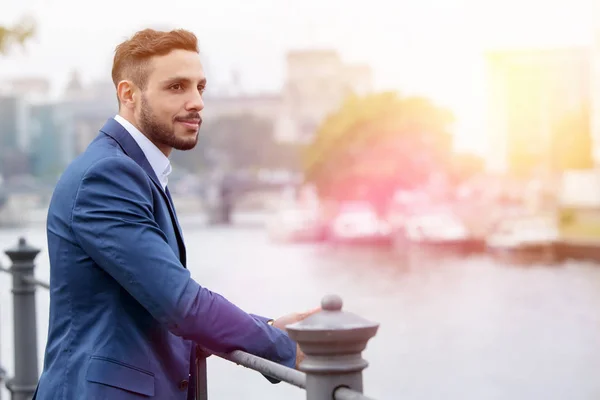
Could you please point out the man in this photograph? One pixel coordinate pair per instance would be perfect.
(125, 314)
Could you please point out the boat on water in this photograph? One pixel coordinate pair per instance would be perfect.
(14, 210)
(295, 224)
(439, 231)
(12, 214)
(528, 239)
(358, 223)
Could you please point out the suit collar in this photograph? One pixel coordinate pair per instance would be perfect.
(116, 131)
(158, 161)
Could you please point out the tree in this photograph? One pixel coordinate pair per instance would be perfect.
(16, 35)
(466, 166)
(376, 144)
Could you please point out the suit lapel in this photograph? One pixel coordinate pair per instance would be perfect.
(182, 250)
(115, 130)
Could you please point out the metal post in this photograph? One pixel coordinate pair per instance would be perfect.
(201, 374)
(333, 341)
(2, 376)
(22, 385)
(2, 370)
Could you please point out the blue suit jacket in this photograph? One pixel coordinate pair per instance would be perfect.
(124, 311)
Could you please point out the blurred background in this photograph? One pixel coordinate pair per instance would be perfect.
(436, 163)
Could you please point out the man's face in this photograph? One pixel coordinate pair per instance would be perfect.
(169, 112)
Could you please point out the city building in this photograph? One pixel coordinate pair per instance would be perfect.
(32, 89)
(267, 105)
(13, 123)
(595, 86)
(52, 146)
(87, 107)
(13, 135)
(16, 94)
(316, 84)
(530, 93)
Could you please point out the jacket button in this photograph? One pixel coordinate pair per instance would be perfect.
(183, 385)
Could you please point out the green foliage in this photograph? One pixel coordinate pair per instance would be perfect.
(16, 35)
(377, 142)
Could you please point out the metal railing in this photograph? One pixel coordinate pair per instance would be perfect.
(332, 340)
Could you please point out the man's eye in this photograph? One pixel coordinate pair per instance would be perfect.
(177, 86)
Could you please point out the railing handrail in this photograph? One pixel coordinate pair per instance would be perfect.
(29, 279)
(283, 373)
(266, 367)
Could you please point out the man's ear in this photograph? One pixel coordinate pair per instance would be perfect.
(127, 93)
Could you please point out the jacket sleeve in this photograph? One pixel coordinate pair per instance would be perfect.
(113, 221)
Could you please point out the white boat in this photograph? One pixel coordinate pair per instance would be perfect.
(527, 237)
(14, 212)
(439, 230)
(359, 222)
(295, 224)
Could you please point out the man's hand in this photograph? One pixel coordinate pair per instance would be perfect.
(289, 319)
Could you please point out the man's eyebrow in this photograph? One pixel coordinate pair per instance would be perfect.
(183, 79)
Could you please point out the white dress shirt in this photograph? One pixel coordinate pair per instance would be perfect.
(158, 161)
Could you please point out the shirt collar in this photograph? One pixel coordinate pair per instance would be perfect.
(158, 161)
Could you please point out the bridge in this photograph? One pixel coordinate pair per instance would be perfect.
(24, 187)
(223, 192)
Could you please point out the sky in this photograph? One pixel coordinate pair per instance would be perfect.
(427, 47)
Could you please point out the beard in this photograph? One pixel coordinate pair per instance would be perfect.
(161, 133)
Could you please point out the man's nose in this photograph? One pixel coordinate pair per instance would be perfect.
(196, 103)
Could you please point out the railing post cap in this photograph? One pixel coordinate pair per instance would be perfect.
(332, 302)
(22, 251)
(332, 326)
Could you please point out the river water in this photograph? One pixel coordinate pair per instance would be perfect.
(451, 327)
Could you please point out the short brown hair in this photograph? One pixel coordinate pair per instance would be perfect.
(133, 55)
